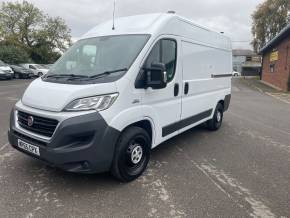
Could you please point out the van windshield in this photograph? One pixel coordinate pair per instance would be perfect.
(89, 58)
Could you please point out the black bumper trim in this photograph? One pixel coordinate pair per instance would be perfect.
(227, 102)
(83, 144)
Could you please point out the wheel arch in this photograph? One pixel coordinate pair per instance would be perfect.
(146, 124)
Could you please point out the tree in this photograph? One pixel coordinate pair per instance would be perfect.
(56, 33)
(26, 25)
(13, 54)
(269, 19)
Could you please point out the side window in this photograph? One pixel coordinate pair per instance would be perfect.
(154, 56)
(32, 67)
(168, 48)
(164, 51)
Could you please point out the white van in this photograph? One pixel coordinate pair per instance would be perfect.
(37, 69)
(118, 93)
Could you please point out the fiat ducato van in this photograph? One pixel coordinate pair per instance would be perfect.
(119, 92)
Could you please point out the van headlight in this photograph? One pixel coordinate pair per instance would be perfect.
(99, 103)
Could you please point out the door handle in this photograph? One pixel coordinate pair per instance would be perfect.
(186, 88)
(176, 89)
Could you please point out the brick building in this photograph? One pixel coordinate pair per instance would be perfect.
(276, 61)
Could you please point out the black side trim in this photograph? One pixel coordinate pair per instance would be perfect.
(167, 130)
(227, 102)
(221, 75)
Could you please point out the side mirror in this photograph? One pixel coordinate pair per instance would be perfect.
(156, 76)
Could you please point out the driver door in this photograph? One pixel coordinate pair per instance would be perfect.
(164, 104)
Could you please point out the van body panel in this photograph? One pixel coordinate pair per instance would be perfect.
(200, 62)
(55, 96)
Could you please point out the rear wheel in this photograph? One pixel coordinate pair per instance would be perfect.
(40, 74)
(216, 122)
(132, 154)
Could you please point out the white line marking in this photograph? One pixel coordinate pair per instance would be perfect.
(276, 96)
(260, 123)
(239, 192)
(258, 207)
(268, 140)
(157, 192)
(255, 87)
(4, 146)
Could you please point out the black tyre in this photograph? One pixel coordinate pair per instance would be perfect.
(16, 76)
(132, 154)
(40, 74)
(216, 122)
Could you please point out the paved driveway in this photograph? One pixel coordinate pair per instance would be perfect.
(242, 170)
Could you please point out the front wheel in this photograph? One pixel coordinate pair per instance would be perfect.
(40, 74)
(132, 154)
(216, 122)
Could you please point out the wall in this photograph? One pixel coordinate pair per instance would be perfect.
(279, 77)
(238, 61)
(247, 68)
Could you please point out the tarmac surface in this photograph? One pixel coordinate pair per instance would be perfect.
(242, 170)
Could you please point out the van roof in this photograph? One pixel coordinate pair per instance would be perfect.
(158, 24)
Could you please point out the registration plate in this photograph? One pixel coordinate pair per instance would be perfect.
(28, 147)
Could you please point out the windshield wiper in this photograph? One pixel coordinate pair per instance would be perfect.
(107, 73)
(66, 76)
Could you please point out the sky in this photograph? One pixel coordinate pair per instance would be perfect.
(233, 17)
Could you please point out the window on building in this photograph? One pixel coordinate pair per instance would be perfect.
(272, 68)
(256, 59)
(248, 58)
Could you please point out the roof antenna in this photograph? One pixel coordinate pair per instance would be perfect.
(113, 28)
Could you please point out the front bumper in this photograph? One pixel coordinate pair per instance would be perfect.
(6, 76)
(82, 144)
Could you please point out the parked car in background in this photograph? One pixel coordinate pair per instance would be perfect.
(37, 69)
(236, 74)
(6, 71)
(5, 75)
(46, 66)
(21, 72)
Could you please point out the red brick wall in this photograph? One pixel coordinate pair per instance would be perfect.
(279, 77)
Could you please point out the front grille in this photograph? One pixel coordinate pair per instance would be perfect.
(42, 126)
(29, 139)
